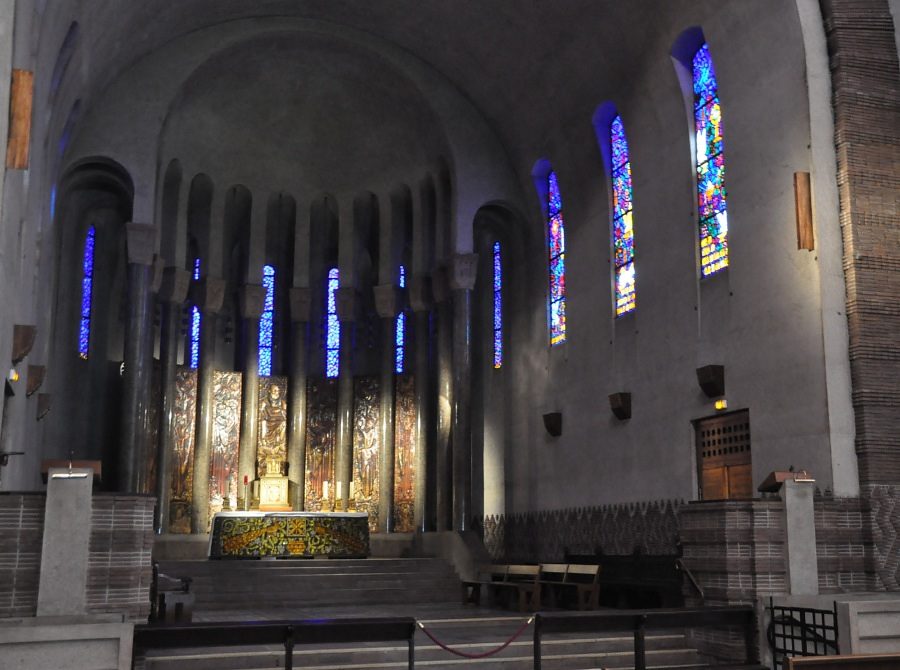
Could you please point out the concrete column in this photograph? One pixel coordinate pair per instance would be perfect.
(800, 537)
(301, 304)
(443, 456)
(347, 303)
(172, 294)
(388, 303)
(208, 295)
(462, 280)
(133, 474)
(420, 302)
(252, 303)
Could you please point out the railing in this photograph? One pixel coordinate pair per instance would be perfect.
(639, 622)
(801, 631)
(679, 565)
(287, 633)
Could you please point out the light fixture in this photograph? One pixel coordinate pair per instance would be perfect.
(721, 404)
(13, 375)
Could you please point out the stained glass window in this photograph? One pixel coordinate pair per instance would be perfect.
(87, 285)
(195, 323)
(332, 328)
(710, 166)
(557, 243)
(400, 334)
(623, 224)
(498, 308)
(266, 322)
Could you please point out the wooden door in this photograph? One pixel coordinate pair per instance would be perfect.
(723, 456)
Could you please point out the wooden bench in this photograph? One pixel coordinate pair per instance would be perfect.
(559, 579)
(521, 580)
(171, 598)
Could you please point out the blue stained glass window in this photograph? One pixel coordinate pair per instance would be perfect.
(623, 218)
(195, 323)
(87, 285)
(332, 328)
(711, 193)
(556, 239)
(498, 308)
(266, 322)
(400, 334)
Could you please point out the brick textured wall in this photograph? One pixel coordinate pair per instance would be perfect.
(21, 537)
(884, 519)
(845, 546)
(866, 102)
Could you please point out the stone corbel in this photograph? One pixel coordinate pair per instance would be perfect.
(300, 304)
(347, 303)
(208, 294)
(23, 341)
(463, 269)
(252, 301)
(174, 285)
(419, 293)
(140, 240)
(43, 405)
(35, 379)
(388, 300)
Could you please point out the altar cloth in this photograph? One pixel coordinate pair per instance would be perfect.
(289, 534)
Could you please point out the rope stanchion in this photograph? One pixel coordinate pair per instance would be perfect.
(485, 654)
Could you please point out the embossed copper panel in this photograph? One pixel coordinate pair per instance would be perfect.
(271, 450)
(182, 459)
(321, 428)
(366, 447)
(405, 454)
(223, 458)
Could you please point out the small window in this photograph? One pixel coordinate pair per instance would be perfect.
(266, 323)
(623, 223)
(400, 332)
(498, 308)
(332, 327)
(87, 288)
(195, 324)
(556, 239)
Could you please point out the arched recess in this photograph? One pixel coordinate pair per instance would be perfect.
(93, 193)
(323, 256)
(281, 216)
(367, 226)
(236, 242)
(168, 213)
(494, 392)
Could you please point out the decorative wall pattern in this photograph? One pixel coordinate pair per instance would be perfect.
(182, 461)
(366, 447)
(844, 546)
(405, 454)
(340, 536)
(884, 504)
(271, 450)
(21, 539)
(223, 458)
(321, 428)
(533, 537)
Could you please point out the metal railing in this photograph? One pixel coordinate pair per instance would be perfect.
(287, 633)
(801, 631)
(639, 622)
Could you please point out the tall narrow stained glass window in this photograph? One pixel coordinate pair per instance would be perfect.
(332, 327)
(87, 286)
(400, 334)
(710, 166)
(195, 324)
(557, 243)
(623, 224)
(498, 308)
(266, 322)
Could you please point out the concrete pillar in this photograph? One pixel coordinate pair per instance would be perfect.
(800, 537)
(301, 306)
(388, 303)
(252, 303)
(133, 455)
(66, 542)
(462, 280)
(172, 294)
(347, 303)
(420, 302)
(208, 295)
(443, 463)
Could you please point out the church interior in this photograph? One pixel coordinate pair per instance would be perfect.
(464, 281)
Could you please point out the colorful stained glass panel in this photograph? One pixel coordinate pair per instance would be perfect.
(267, 322)
(498, 308)
(557, 247)
(705, 86)
(332, 327)
(400, 332)
(623, 219)
(87, 266)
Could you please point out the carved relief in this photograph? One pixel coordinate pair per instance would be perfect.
(321, 427)
(405, 455)
(366, 447)
(223, 460)
(271, 450)
(183, 456)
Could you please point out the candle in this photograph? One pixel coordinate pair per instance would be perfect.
(351, 490)
(325, 489)
(339, 490)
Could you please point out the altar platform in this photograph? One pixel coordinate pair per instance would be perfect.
(249, 535)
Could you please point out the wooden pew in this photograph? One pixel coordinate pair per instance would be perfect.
(583, 581)
(522, 580)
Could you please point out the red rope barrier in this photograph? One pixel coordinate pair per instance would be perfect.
(483, 654)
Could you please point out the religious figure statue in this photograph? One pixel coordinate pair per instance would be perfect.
(272, 448)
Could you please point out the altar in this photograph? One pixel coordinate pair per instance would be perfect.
(247, 535)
